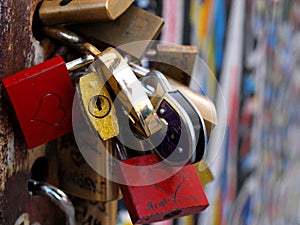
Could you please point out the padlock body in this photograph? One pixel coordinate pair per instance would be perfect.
(179, 195)
(176, 61)
(42, 98)
(85, 11)
(204, 172)
(131, 33)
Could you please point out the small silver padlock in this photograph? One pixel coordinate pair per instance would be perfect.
(186, 137)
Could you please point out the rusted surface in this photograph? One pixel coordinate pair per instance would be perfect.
(18, 50)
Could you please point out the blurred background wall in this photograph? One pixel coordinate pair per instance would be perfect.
(252, 47)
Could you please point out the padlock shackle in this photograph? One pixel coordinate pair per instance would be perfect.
(57, 196)
(71, 39)
(74, 41)
(63, 35)
(79, 63)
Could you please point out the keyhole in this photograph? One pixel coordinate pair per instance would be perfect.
(64, 2)
(99, 104)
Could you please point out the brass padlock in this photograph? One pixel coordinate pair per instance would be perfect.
(204, 172)
(97, 106)
(93, 94)
(133, 26)
(77, 178)
(175, 61)
(54, 12)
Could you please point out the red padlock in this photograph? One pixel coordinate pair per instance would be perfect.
(42, 98)
(179, 195)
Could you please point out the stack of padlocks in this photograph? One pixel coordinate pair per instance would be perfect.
(133, 129)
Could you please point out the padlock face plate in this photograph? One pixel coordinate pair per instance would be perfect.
(179, 195)
(176, 144)
(98, 106)
(42, 98)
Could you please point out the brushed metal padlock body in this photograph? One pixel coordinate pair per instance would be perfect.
(131, 33)
(54, 12)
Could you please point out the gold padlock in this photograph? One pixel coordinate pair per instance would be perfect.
(133, 26)
(98, 106)
(94, 100)
(204, 173)
(54, 12)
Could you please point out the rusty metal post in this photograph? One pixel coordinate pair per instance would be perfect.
(19, 50)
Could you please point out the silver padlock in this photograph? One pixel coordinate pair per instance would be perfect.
(186, 137)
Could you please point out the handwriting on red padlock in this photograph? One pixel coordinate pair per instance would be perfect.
(42, 98)
(179, 195)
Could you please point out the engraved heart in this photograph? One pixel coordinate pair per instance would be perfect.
(169, 186)
(50, 110)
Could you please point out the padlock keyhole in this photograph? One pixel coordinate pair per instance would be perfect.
(172, 214)
(99, 104)
(64, 2)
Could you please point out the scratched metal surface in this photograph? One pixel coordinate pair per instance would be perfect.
(19, 50)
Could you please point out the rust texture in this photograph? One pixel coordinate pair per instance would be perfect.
(18, 50)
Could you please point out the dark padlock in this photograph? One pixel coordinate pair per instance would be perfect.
(186, 137)
(54, 12)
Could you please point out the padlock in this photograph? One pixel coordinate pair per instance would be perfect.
(186, 136)
(57, 196)
(133, 26)
(42, 95)
(128, 91)
(153, 191)
(77, 178)
(175, 61)
(42, 98)
(204, 172)
(94, 212)
(204, 105)
(115, 73)
(54, 12)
